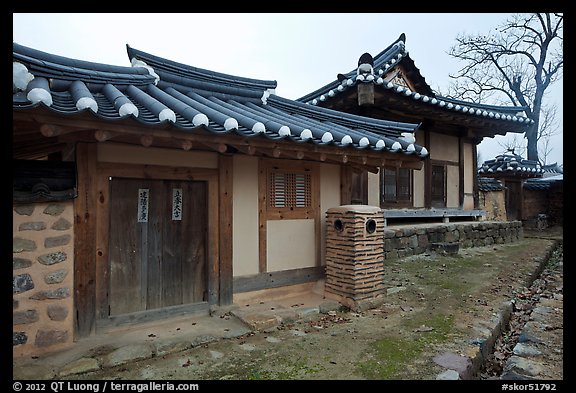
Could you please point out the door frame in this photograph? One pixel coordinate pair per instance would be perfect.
(106, 170)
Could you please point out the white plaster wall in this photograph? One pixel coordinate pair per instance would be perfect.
(111, 152)
(443, 147)
(245, 215)
(373, 189)
(452, 189)
(418, 188)
(468, 176)
(290, 244)
(329, 197)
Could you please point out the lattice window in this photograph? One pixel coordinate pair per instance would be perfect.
(396, 187)
(438, 186)
(290, 190)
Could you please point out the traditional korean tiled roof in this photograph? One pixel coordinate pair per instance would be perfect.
(157, 91)
(375, 70)
(487, 184)
(552, 169)
(543, 183)
(43, 181)
(510, 165)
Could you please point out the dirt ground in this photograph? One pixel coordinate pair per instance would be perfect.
(434, 304)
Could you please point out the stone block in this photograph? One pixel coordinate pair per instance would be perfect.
(57, 312)
(21, 263)
(52, 258)
(24, 317)
(56, 277)
(24, 210)
(22, 283)
(59, 293)
(19, 338)
(79, 366)
(57, 241)
(127, 353)
(61, 225)
(54, 209)
(32, 226)
(20, 245)
(46, 338)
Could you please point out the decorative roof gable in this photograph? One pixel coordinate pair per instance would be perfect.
(393, 70)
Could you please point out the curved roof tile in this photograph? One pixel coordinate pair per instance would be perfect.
(160, 91)
(384, 62)
(511, 164)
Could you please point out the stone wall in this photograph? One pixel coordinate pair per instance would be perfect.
(43, 272)
(403, 241)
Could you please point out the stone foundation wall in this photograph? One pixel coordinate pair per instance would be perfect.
(403, 241)
(43, 272)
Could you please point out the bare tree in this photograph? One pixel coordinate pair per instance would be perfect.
(548, 128)
(514, 63)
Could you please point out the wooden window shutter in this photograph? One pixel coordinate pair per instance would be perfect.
(290, 190)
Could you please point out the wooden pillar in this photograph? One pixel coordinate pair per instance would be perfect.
(475, 176)
(225, 233)
(461, 168)
(345, 185)
(262, 200)
(427, 173)
(84, 242)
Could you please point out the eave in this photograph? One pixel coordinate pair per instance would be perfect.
(53, 133)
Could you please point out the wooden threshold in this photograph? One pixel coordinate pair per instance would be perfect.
(268, 280)
(139, 317)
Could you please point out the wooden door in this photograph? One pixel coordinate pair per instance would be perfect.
(158, 233)
(513, 200)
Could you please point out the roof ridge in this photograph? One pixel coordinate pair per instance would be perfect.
(170, 66)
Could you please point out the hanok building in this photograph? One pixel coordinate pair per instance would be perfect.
(162, 189)
(390, 86)
(513, 171)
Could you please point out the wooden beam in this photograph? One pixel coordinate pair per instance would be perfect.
(102, 136)
(186, 145)
(49, 130)
(146, 140)
(278, 279)
(219, 147)
(411, 164)
(84, 247)
(225, 176)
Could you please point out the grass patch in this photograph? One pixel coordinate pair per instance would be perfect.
(389, 356)
(284, 369)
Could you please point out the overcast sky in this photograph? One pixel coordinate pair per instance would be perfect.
(302, 52)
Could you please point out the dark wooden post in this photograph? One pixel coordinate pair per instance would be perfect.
(225, 217)
(84, 241)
